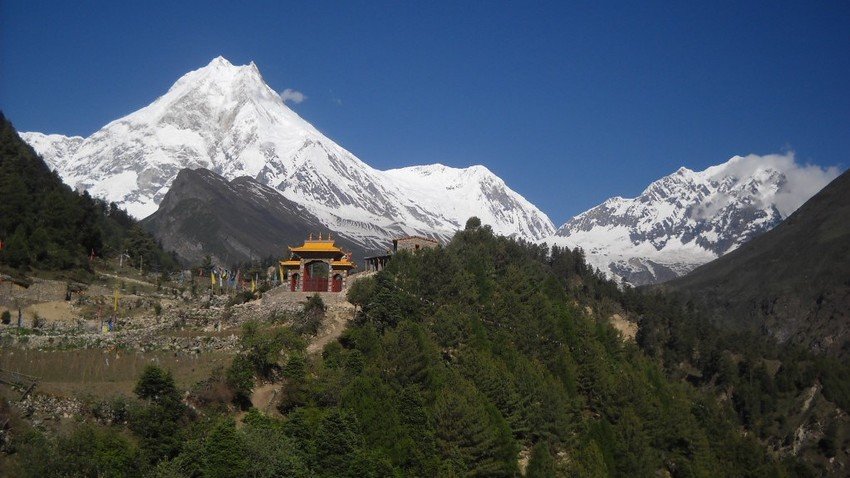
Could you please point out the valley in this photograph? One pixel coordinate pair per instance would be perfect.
(160, 319)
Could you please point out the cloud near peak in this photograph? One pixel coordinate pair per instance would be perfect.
(802, 181)
(293, 96)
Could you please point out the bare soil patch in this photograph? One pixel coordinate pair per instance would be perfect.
(627, 328)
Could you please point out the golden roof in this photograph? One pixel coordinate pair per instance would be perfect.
(342, 264)
(316, 245)
(290, 263)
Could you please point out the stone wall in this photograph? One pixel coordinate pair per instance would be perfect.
(413, 243)
(40, 291)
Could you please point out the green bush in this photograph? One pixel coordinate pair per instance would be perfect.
(157, 386)
(86, 451)
(360, 291)
(311, 317)
(263, 346)
(240, 377)
(240, 297)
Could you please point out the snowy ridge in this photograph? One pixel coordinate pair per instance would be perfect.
(54, 148)
(227, 119)
(689, 218)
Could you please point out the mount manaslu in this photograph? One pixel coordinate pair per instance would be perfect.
(226, 119)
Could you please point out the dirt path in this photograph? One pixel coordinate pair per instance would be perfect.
(337, 317)
(126, 279)
(263, 398)
(339, 312)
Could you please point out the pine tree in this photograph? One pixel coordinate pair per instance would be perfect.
(157, 385)
(16, 250)
(541, 464)
(471, 432)
(336, 444)
(225, 452)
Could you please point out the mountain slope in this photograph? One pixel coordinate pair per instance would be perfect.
(689, 218)
(227, 119)
(45, 225)
(236, 221)
(792, 282)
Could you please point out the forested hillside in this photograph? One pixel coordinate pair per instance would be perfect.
(792, 283)
(480, 358)
(46, 225)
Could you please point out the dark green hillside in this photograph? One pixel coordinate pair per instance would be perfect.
(792, 282)
(505, 359)
(462, 361)
(45, 225)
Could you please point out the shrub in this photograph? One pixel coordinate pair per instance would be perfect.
(315, 305)
(241, 297)
(295, 368)
(157, 385)
(215, 390)
(111, 411)
(307, 324)
(360, 291)
(240, 378)
(263, 347)
(86, 451)
(311, 317)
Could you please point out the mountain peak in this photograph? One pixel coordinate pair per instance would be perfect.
(690, 217)
(222, 71)
(225, 118)
(220, 61)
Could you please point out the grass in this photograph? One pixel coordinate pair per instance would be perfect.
(105, 373)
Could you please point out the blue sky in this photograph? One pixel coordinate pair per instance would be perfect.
(570, 103)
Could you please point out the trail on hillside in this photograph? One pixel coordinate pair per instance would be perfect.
(336, 318)
(265, 397)
(126, 279)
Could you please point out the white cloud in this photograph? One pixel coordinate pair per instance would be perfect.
(802, 180)
(293, 96)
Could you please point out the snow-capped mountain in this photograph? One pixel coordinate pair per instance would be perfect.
(54, 148)
(227, 119)
(689, 218)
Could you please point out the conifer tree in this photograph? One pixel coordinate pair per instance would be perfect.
(336, 442)
(540, 464)
(225, 452)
